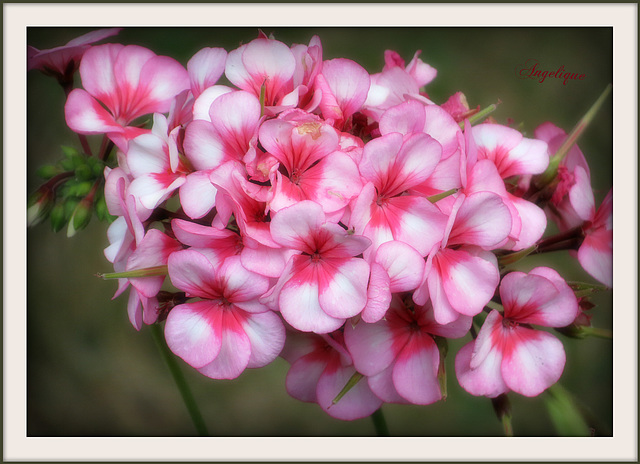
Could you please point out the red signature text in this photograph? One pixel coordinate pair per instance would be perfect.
(532, 69)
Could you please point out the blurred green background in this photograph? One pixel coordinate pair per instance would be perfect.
(91, 374)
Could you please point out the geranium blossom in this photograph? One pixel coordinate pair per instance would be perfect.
(130, 81)
(508, 353)
(228, 330)
(399, 355)
(324, 283)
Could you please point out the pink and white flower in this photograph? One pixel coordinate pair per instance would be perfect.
(460, 274)
(324, 283)
(399, 355)
(510, 355)
(130, 81)
(392, 165)
(228, 330)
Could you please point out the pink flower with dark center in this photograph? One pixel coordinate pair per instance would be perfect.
(227, 330)
(398, 354)
(460, 274)
(509, 354)
(320, 368)
(311, 165)
(130, 81)
(325, 283)
(385, 209)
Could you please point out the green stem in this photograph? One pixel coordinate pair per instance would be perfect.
(181, 382)
(480, 115)
(551, 171)
(380, 423)
(598, 333)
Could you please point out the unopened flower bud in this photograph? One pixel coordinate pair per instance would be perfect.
(39, 206)
(48, 171)
(57, 217)
(80, 218)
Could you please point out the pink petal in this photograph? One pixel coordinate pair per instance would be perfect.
(596, 255)
(581, 195)
(96, 71)
(197, 195)
(192, 272)
(482, 220)
(416, 369)
(147, 153)
(533, 361)
(134, 310)
(235, 117)
(348, 83)
(412, 220)
(357, 403)
(299, 300)
(154, 250)
(161, 79)
(205, 68)
(382, 386)
(541, 297)
(199, 236)
(235, 350)
(266, 334)
(468, 280)
(483, 380)
(342, 286)
(378, 294)
(202, 104)
(293, 226)
(512, 153)
(533, 220)
(373, 347)
(403, 264)
(202, 146)
(267, 60)
(303, 376)
(264, 260)
(84, 115)
(194, 332)
(333, 182)
(405, 118)
(442, 127)
(241, 285)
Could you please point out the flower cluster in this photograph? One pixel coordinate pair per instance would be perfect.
(308, 209)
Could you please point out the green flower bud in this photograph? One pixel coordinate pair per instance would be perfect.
(84, 172)
(39, 206)
(48, 171)
(57, 217)
(80, 218)
(83, 188)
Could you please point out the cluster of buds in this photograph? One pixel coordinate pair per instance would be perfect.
(340, 219)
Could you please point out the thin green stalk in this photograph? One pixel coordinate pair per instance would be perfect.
(380, 423)
(181, 382)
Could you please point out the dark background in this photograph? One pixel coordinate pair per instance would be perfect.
(91, 374)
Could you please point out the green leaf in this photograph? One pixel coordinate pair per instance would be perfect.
(565, 414)
(355, 378)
